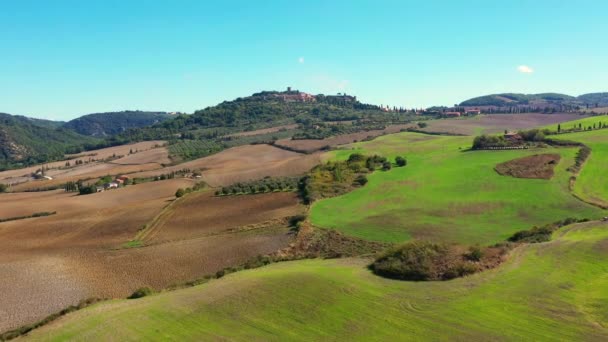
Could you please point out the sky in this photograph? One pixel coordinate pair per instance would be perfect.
(62, 59)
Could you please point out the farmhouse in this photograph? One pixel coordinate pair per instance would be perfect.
(122, 178)
(111, 185)
(452, 114)
(513, 137)
(475, 111)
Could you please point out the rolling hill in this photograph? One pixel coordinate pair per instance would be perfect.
(25, 141)
(111, 123)
(538, 100)
(544, 292)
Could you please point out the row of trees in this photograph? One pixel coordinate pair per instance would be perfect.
(264, 185)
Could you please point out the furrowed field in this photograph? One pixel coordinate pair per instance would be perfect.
(448, 194)
(551, 291)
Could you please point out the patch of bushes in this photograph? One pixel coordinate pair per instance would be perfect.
(12, 334)
(265, 185)
(141, 292)
(543, 233)
(296, 221)
(424, 261)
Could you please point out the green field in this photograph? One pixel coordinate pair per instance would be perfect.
(448, 194)
(550, 291)
(592, 184)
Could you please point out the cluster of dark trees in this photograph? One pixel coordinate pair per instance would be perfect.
(181, 192)
(268, 184)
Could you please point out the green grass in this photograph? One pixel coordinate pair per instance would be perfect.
(592, 184)
(550, 291)
(446, 194)
(585, 123)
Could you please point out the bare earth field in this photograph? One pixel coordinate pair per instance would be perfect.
(146, 156)
(244, 163)
(496, 123)
(312, 145)
(48, 263)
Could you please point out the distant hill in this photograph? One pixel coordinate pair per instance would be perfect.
(595, 99)
(112, 123)
(260, 110)
(25, 141)
(544, 100)
(513, 99)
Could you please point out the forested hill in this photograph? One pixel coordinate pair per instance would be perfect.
(539, 100)
(112, 123)
(25, 141)
(264, 109)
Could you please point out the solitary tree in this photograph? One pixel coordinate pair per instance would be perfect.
(400, 161)
(559, 128)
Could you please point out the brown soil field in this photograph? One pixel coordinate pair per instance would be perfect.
(313, 145)
(263, 131)
(203, 214)
(121, 150)
(538, 166)
(496, 123)
(158, 155)
(148, 155)
(87, 171)
(243, 163)
(48, 263)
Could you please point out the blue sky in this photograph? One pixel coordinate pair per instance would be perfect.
(61, 59)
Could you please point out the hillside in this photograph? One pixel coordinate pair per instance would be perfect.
(595, 99)
(111, 123)
(536, 101)
(214, 128)
(550, 291)
(513, 99)
(25, 141)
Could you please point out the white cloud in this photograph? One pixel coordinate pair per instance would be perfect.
(525, 69)
(301, 60)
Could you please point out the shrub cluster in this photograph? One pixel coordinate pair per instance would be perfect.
(423, 261)
(181, 192)
(141, 292)
(543, 233)
(268, 184)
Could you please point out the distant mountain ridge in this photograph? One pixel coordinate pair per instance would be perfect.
(538, 100)
(112, 123)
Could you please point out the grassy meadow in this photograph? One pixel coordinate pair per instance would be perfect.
(550, 291)
(448, 194)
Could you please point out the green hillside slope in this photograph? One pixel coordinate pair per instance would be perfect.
(107, 124)
(25, 141)
(551, 291)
